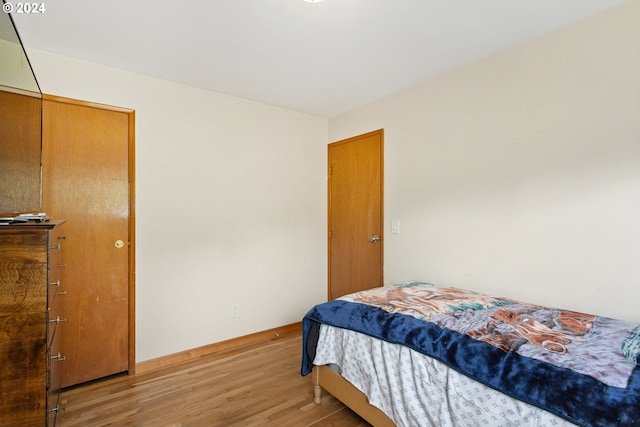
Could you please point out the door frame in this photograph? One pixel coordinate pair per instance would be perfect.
(346, 141)
(131, 115)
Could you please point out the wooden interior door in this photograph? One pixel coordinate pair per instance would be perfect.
(355, 214)
(87, 180)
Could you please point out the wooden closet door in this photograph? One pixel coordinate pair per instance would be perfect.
(86, 181)
(355, 214)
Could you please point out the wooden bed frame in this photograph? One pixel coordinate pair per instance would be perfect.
(324, 377)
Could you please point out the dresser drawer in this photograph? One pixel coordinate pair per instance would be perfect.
(54, 256)
(55, 249)
(55, 288)
(55, 361)
(55, 319)
(55, 266)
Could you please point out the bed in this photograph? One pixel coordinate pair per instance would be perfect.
(415, 354)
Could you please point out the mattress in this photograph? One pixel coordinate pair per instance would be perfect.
(583, 369)
(415, 390)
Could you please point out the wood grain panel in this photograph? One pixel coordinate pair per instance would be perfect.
(23, 320)
(19, 152)
(355, 214)
(86, 181)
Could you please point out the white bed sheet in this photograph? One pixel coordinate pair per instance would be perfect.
(416, 390)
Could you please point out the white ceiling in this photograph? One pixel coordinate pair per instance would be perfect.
(319, 58)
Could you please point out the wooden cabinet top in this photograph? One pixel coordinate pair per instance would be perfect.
(46, 225)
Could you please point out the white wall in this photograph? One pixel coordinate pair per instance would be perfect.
(230, 206)
(519, 175)
(14, 67)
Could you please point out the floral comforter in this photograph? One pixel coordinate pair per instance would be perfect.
(579, 366)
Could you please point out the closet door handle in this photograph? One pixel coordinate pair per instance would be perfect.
(374, 239)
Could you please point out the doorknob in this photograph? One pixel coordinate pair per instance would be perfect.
(119, 244)
(374, 239)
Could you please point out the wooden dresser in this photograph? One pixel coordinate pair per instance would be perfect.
(31, 322)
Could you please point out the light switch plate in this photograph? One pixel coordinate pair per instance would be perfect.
(395, 226)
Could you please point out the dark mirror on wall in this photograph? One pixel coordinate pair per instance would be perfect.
(20, 125)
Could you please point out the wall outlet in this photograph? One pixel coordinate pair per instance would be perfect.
(235, 310)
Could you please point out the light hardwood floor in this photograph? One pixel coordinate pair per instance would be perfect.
(255, 385)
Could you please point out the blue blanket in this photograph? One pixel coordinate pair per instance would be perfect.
(579, 398)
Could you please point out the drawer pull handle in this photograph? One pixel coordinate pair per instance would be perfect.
(55, 246)
(61, 293)
(59, 357)
(56, 409)
(62, 265)
(58, 320)
(56, 283)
